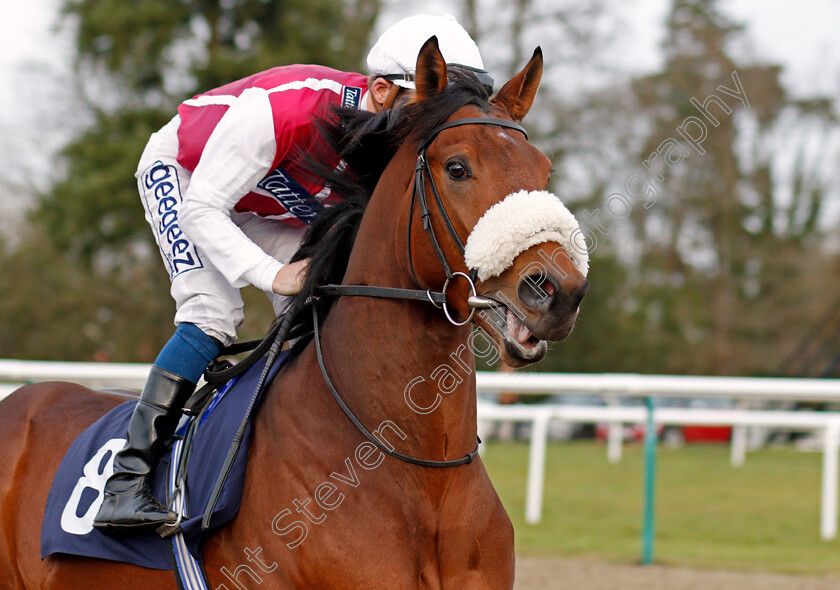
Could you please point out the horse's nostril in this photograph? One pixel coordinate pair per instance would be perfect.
(536, 289)
(548, 288)
(541, 287)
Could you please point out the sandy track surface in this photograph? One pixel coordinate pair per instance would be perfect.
(569, 574)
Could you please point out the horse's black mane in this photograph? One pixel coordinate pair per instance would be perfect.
(366, 142)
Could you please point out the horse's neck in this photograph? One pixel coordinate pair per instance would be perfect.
(392, 362)
(400, 360)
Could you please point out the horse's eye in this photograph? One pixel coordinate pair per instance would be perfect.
(457, 170)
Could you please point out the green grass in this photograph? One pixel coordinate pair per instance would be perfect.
(763, 516)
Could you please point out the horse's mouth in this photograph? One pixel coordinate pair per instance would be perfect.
(520, 346)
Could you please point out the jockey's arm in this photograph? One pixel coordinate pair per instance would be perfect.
(289, 279)
(239, 153)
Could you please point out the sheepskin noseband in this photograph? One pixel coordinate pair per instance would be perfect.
(522, 220)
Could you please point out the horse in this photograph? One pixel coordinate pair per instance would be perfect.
(323, 506)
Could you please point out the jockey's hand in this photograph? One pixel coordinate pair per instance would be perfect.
(289, 279)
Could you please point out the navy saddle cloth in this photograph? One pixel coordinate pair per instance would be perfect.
(76, 492)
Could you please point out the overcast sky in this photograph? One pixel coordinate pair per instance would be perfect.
(804, 35)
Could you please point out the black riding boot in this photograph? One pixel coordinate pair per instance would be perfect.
(129, 505)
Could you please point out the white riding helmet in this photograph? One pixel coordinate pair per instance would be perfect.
(394, 55)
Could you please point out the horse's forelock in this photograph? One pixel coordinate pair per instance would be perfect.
(419, 119)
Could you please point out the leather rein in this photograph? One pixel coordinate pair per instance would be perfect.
(422, 172)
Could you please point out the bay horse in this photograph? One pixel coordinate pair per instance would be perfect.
(322, 507)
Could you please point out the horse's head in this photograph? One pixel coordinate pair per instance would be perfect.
(521, 243)
(446, 193)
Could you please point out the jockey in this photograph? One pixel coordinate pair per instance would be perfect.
(225, 192)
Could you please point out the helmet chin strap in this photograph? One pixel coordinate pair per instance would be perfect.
(393, 91)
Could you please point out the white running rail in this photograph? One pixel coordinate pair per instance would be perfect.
(13, 373)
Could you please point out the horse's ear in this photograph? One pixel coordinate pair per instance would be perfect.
(430, 77)
(517, 95)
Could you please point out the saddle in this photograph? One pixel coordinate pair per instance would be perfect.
(185, 478)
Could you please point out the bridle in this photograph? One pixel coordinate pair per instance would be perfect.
(422, 172)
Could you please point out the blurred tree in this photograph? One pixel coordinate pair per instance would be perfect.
(567, 122)
(725, 253)
(150, 43)
(138, 60)
(135, 62)
(725, 272)
(65, 312)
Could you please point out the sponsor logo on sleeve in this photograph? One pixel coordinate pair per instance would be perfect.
(351, 96)
(280, 186)
(162, 192)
